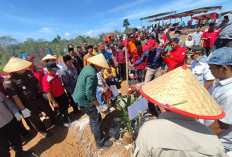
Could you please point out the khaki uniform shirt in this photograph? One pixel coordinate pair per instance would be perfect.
(175, 135)
(7, 110)
(25, 86)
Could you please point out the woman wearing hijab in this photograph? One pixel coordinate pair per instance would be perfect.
(189, 42)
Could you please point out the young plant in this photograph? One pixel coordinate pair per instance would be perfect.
(124, 119)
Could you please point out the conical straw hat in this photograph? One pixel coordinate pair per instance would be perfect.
(16, 64)
(180, 91)
(99, 60)
(48, 56)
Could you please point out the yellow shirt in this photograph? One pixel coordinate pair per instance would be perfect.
(95, 52)
(106, 73)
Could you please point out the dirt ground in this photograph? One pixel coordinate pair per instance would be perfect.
(65, 141)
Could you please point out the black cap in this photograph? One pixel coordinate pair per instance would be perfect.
(52, 65)
(67, 58)
(212, 23)
(196, 50)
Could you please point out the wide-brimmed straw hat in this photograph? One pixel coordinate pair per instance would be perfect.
(16, 64)
(180, 91)
(99, 60)
(48, 56)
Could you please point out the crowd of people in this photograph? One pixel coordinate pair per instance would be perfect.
(84, 76)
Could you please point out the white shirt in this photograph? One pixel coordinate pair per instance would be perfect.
(202, 72)
(197, 38)
(222, 93)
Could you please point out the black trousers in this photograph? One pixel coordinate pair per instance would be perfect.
(36, 106)
(122, 71)
(9, 133)
(63, 102)
(73, 104)
(95, 124)
(207, 51)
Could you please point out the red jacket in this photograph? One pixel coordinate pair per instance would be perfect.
(177, 58)
(136, 57)
(120, 56)
(38, 72)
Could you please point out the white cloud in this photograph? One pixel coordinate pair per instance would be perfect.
(107, 28)
(67, 34)
(127, 6)
(89, 33)
(47, 30)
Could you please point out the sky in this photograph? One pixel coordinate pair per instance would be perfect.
(44, 19)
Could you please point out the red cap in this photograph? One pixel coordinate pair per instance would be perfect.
(105, 41)
(150, 43)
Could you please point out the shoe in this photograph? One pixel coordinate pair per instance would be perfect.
(24, 154)
(47, 134)
(107, 144)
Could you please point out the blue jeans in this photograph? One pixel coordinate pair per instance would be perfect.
(99, 96)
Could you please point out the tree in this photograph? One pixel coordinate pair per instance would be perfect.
(7, 40)
(126, 23)
(58, 37)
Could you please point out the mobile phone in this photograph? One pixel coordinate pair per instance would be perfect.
(226, 17)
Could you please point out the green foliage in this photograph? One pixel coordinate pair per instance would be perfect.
(124, 119)
(11, 47)
(126, 23)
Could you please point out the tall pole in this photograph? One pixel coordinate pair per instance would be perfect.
(126, 68)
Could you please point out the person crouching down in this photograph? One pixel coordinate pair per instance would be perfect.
(85, 95)
(52, 85)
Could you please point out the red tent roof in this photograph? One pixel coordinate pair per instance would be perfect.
(188, 13)
(157, 15)
(226, 12)
(207, 16)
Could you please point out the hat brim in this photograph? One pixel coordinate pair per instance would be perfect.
(30, 58)
(99, 65)
(171, 108)
(202, 59)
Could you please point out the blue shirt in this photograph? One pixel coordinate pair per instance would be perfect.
(106, 54)
(222, 93)
(154, 59)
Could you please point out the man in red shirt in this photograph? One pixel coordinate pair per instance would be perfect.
(209, 36)
(140, 69)
(52, 85)
(175, 58)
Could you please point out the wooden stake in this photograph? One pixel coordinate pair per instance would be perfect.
(126, 67)
(140, 119)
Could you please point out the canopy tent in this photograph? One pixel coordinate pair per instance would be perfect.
(226, 12)
(206, 17)
(188, 13)
(157, 15)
